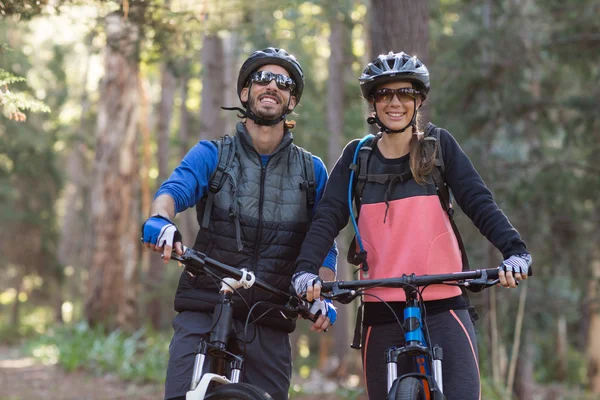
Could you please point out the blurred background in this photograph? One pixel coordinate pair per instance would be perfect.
(85, 313)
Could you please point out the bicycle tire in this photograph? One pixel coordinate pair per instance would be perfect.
(410, 389)
(237, 391)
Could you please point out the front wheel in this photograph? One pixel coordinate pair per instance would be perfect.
(237, 391)
(410, 389)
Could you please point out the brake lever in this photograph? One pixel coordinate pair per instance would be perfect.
(300, 307)
(185, 260)
(477, 285)
(342, 296)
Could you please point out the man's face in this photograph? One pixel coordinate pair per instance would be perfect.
(268, 101)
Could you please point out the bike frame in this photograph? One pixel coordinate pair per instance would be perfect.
(427, 357)
(215, 350)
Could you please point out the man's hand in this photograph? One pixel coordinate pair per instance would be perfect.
(307, 283)
(514, 269)
(326, 315)
(159, 234)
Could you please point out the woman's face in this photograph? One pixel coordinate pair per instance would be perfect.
(395, 110)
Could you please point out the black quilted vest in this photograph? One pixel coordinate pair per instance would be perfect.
(258, 221)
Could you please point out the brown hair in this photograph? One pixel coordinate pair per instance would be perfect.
(420, 165)
(289, 124)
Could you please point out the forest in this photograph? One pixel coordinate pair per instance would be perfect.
(101, 99)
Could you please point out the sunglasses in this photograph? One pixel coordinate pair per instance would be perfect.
(386, 95)
(263, 78)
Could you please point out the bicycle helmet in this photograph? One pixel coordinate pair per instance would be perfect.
(394, 67)
(272, 55)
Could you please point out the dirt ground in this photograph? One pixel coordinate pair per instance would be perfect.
(24, 378)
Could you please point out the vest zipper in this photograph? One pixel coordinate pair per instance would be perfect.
(261, 200)
(263, 170)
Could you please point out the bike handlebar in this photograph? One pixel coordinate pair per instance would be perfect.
(476, 280)
(195, 262)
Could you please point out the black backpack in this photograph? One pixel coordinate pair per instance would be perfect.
(226, 148)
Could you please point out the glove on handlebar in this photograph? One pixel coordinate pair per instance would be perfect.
(303, 280)
(160, 231)
(324, 307)
(518, 263)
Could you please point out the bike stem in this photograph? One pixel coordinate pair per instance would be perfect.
(222, 322)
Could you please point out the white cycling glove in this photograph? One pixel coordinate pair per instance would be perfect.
(303, 280)
(519, 263)
(324, 307)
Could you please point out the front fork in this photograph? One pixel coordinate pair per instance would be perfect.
(235, 366)
(421, 354)
(217, 348)
(415, 346)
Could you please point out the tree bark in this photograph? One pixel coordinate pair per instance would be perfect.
(188, 224)
(165, 113)
(230, 73)
(112, 290)
(213, 86)
(400, 25)
(525, 380)
(71, 247)
(339, 44)
(593, 346)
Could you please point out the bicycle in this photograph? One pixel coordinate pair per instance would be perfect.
(216, 385)
(428, 383)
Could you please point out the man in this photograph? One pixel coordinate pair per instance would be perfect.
(256, 220)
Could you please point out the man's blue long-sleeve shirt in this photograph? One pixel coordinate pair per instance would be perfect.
(189, 182)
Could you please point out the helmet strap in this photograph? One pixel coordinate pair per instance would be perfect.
(375, 120)
(257, 120)
(247, 113)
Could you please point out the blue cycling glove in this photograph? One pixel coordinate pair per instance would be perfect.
(324, 307)
(160, 231)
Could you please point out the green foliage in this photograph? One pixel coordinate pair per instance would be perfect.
(15, 103)
(139, 357)
(34, 321)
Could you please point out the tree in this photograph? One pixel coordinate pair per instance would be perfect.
(115, 211)
(400, 25)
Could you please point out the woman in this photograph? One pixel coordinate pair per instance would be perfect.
(404, 228)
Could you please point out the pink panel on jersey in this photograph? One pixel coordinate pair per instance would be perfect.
(416, 238)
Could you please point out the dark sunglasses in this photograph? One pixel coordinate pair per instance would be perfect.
(263, 78)
(386, 95)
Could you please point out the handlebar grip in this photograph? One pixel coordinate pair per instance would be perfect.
(492, 273)
(327, 287)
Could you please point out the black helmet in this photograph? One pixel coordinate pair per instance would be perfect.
(394, 67)
(272, 55)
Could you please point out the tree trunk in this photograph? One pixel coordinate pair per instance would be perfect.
(400, 25)
(562, 349)
(71, 246)
(231, 68)
(112, 290)
(593, 346)
(339, 45)
(213, 86)
(525, 382)
(165, 113)
(188, 225)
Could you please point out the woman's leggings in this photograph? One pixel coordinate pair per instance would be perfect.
(452, 330)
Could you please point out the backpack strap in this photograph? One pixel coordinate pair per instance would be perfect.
(361, 169)
(309, 185)
(444, 193)
(226, 151)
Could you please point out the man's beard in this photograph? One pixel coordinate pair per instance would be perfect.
(268, 114)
